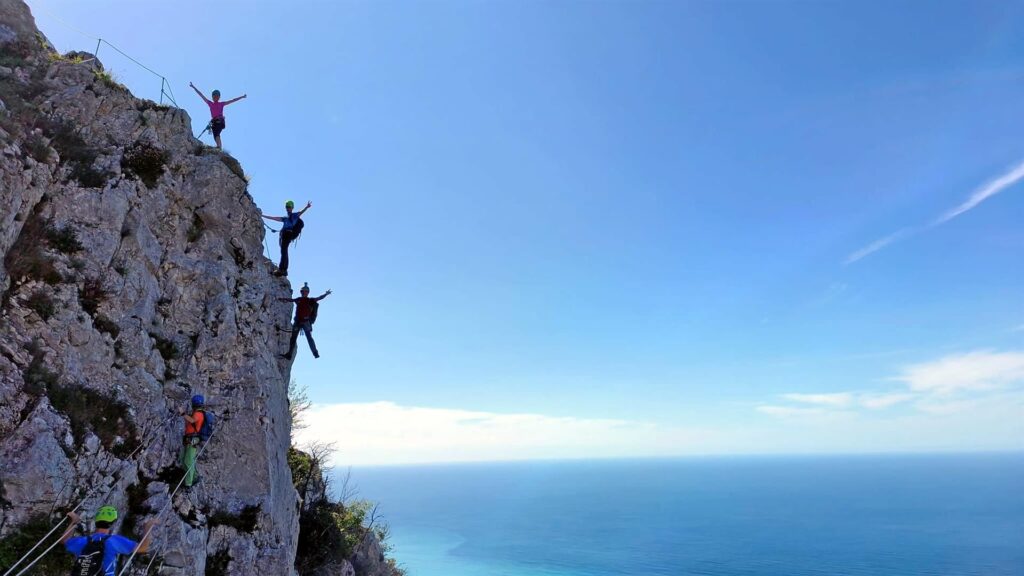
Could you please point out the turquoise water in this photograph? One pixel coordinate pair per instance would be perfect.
(881, 516)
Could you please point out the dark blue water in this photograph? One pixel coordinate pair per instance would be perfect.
(878, 515)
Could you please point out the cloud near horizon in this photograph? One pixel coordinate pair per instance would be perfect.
(948, 385)
(387, 433)
(982, 193)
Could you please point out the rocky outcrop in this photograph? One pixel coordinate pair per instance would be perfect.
(133, 277)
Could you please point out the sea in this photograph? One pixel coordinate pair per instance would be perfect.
(893, 515)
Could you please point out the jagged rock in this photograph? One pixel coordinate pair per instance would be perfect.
(160, 291)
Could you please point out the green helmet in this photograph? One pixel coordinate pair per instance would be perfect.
(289, 204)
(106, 514)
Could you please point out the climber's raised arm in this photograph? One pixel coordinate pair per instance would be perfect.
(193, 86)
(303, 211)
(274, 218)
(233, 100)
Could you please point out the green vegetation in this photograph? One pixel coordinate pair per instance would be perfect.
(195, 231)
(86, 409)
(108, 79)
(40, 302)
(107, 326)
(24, 537)
(329, 529)
(217, 564)
(37, 147)
(14, 55)
(91, 295)
(38, 377)
(167, 348)
(233, 165)
(63, 239)
(26, 258)
(244, 521)
(77, 153)
(145, 161)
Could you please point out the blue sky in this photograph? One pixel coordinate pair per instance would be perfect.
(576, 229)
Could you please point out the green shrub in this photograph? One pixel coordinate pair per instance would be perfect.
(40, 302)
(217, 564)
(14, 55)
(107, 326)
(195, 231)
(63, 239)
(89, 410)
(145, 161)
(91, 295)
(26, 258)
(244, 521)
(37, 377)
(21, 539)
(77, 153)
(37, 148)
(167, 348)
(233, 165)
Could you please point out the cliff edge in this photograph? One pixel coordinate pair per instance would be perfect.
(133, 277)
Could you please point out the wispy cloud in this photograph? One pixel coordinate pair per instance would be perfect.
(948, 385)
(982, 193)
(974, 371)
(836, 400)
(882, 401)
(877, 245)
(789, 411)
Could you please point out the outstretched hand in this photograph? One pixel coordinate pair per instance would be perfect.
(328, 293)
(191, 85)
(308, 204)
(73, 517)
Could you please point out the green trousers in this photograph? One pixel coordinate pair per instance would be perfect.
(188, 462)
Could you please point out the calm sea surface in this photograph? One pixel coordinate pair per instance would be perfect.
(792, 516)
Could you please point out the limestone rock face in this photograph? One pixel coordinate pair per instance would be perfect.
(133, 277)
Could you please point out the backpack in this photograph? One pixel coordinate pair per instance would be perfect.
(206, 430)
(90, 561)
(295, 230)
(314, 307)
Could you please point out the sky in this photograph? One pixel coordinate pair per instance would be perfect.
(593, 229)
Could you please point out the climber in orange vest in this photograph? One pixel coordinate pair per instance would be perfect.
(193, 435)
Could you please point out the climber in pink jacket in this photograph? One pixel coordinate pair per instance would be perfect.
(217, 123)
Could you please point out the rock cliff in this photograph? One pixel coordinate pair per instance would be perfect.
(133, 277)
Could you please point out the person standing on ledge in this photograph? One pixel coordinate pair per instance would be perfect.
(217, 123)
(291, 227)
(305, 315)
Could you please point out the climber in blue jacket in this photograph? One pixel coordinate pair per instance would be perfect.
(291, 227)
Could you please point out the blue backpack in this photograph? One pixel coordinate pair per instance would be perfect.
(206, 430)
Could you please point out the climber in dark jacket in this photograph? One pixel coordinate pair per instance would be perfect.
(305, 315)
(291, 226)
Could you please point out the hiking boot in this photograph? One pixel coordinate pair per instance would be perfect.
(316, 354)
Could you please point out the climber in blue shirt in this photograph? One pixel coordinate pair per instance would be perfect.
(291, 227)
(102, 545)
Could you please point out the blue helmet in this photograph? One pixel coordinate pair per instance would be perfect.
(198, 400)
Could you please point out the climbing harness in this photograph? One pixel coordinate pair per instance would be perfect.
(81, 502)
